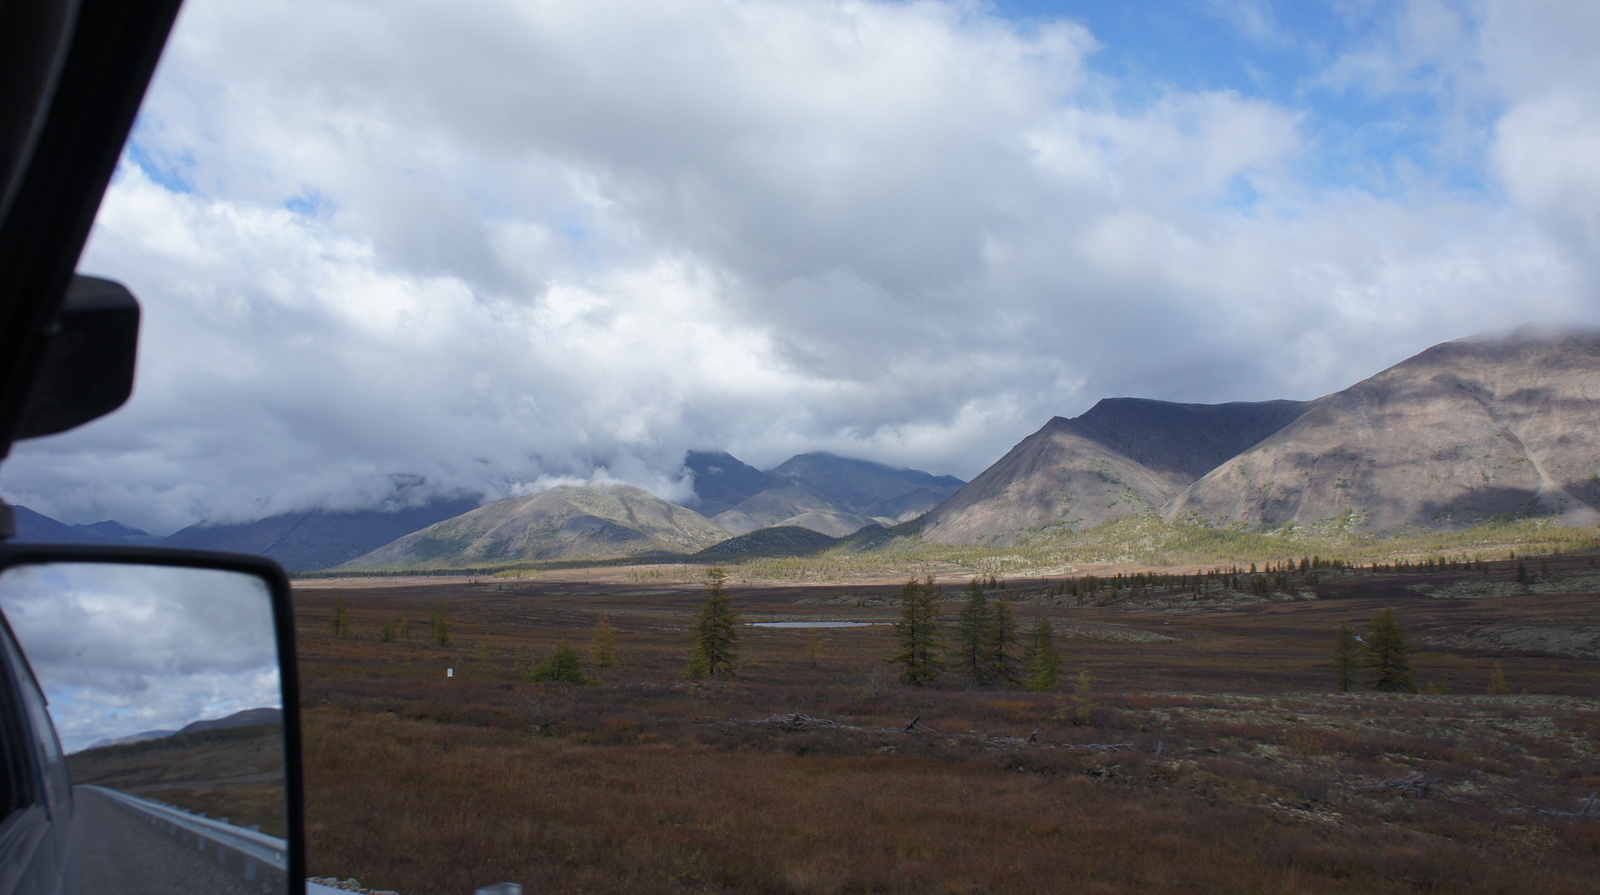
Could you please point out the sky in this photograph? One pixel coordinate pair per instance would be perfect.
(390, 251)
(123, 649)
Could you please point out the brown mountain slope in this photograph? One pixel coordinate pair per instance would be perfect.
(1463, 431)
(1182, 442)
(1087, 470)
(568, 522)
(794, 504)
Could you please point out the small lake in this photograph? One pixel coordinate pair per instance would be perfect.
(814, 624)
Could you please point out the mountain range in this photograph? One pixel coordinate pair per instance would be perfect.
(831, 495)
(32, 526)
(823, 494)
(1125, 456)
(565, 522)
(1462, 433)
(318, 539)
(827, 495)
(1467, 431)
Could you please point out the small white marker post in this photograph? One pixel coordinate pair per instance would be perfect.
(449, 672)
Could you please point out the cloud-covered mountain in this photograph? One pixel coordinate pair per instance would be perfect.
(860, 483)
(793, 504)
(836, 496)
(722, 481)
(565, 522)
(1465, 431)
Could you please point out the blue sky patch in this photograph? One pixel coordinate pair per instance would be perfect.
(311, 203)
(173, 172)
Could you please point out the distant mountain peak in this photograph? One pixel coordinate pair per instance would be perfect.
(820, 491)
(1504, 425)
(565, 522)
(721, 480)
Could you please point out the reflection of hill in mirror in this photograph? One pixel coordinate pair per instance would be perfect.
(228, 772)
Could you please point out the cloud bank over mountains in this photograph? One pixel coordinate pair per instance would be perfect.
(502, 245)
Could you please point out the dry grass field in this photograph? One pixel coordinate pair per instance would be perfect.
(1206, 752)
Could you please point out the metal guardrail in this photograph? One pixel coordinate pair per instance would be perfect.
(269, 851)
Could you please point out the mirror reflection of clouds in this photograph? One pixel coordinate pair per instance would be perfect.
(125, 649)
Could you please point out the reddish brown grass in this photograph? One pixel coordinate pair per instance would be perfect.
(1211, 761)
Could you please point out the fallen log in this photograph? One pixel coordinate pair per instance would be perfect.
(798, 721)
(1104, 747)
(1588, 807)
(1415, 783)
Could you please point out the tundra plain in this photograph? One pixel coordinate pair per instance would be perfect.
(1192, 744)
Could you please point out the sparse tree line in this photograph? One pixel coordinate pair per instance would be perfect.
(1286, 576)
(985, 649)
(563, 664)
(1382, 652)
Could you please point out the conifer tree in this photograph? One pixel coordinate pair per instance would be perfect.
(561, 667)
(1388, 656)
(1000, 645)
(970, 652)
(918, 632)
(603, 643)
(341, 619)
(439, 625)
(1345, 658)
(1042, 663)
(716, 633)
(814, 646)
(1497, 681)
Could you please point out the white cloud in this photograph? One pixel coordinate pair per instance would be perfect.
(123, 649)
(1546, 145)
(533, 240)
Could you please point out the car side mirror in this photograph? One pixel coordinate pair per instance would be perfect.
(88, 365)
(170, 681)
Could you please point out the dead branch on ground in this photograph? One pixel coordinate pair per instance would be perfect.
(1413, 784)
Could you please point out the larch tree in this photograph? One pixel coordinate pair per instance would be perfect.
(341, 618)
(1387, 655)
(715, 645)
(603, 643)
(1041, 663)
(561, 667)
(1000, 645)
(1497, 681)
(918, 632)
(970, 654)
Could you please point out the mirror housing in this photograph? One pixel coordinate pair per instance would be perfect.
(88, 364)
(154, 624)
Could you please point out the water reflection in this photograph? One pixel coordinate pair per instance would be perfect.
(164, 687)
(814, 624)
